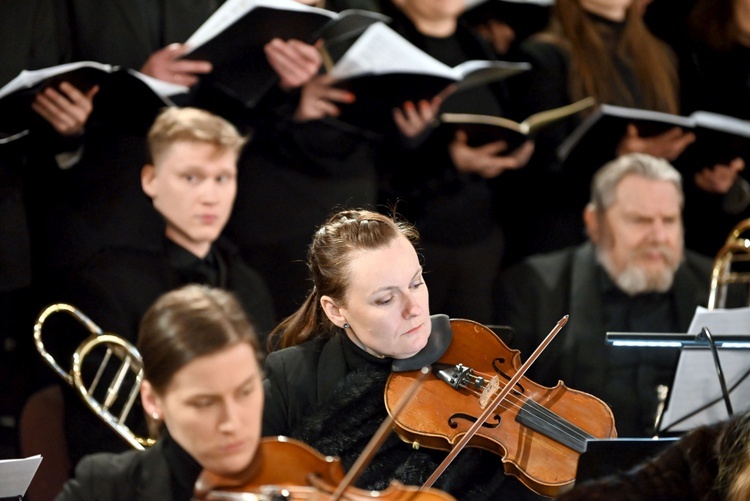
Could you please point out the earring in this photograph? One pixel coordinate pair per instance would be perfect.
(155, 415)
(346, 325)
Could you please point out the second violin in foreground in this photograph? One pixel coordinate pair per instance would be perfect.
(287, 469)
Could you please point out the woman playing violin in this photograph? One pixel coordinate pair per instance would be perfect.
(325, 386)
(202, 383)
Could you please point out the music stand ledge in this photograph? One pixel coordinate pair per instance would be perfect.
(675, 340)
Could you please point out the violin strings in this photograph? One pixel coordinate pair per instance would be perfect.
(551, 419)
(546, 417)
(542, 414)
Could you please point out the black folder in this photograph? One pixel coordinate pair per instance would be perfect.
(16, 114)
(127, 101)
(610, 456)
(719, 138)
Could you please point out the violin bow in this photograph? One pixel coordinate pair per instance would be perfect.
(380, 435)
(494, 404)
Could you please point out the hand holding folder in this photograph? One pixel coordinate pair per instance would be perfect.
(484, 129)
(234, 37)
(145, 95)
(719, 139)
(57, 94)
(384, 71)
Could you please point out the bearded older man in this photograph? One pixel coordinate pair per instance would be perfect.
(633, 275)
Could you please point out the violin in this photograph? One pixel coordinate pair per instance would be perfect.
(288, 469)
(539, 432)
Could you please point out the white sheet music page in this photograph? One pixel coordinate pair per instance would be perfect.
(721, 320)
(232, 10)
(16, 475)
(696, 381)
(29, 78)
(381, 50)
(161, 88)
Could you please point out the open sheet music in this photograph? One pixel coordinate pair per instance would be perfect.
(380, 50)
(719, 138)
(483, 129)
(233, 11)
(233, 38)
(83, 75)
(16, 475)
(384, 70)
(696, 397)
(138, 95)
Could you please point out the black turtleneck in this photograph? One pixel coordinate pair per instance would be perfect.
(612, 33)
(633, 374)
(646, 312)
(183, 467)
(191, 269)
(356, 358)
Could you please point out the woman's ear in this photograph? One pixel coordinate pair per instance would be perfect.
(333, 311)
(151, 401)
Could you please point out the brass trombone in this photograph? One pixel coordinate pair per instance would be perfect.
(130, 370)
(735, 250)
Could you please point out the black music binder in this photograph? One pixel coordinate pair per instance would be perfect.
(483, 129)
(719, 138)
(134, 98)
(384, 70)
(610, 456)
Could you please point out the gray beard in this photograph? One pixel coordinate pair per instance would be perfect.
(633, 280)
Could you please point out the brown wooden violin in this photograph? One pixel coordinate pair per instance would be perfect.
(287, 469)
(539, 432)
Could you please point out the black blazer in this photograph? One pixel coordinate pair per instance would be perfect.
(117, 286)
(115, 289)
(132, 475)
(164, 472)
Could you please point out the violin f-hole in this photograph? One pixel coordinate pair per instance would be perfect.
(468, 417)
(496, 366)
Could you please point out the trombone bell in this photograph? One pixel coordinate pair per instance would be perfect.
(736, 250)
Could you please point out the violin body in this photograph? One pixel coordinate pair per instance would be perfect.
(538, 431)
(279, 461)
(285, 468)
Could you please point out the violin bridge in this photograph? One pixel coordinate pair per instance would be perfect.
(489, 391)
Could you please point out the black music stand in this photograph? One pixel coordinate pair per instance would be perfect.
(16, 475)
(697, 398)
(698, 395)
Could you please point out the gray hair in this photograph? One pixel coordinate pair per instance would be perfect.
(607, 178)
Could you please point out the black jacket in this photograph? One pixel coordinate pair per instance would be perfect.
(115, 289)
(687, 470)
(164, 472)
(329, 394)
